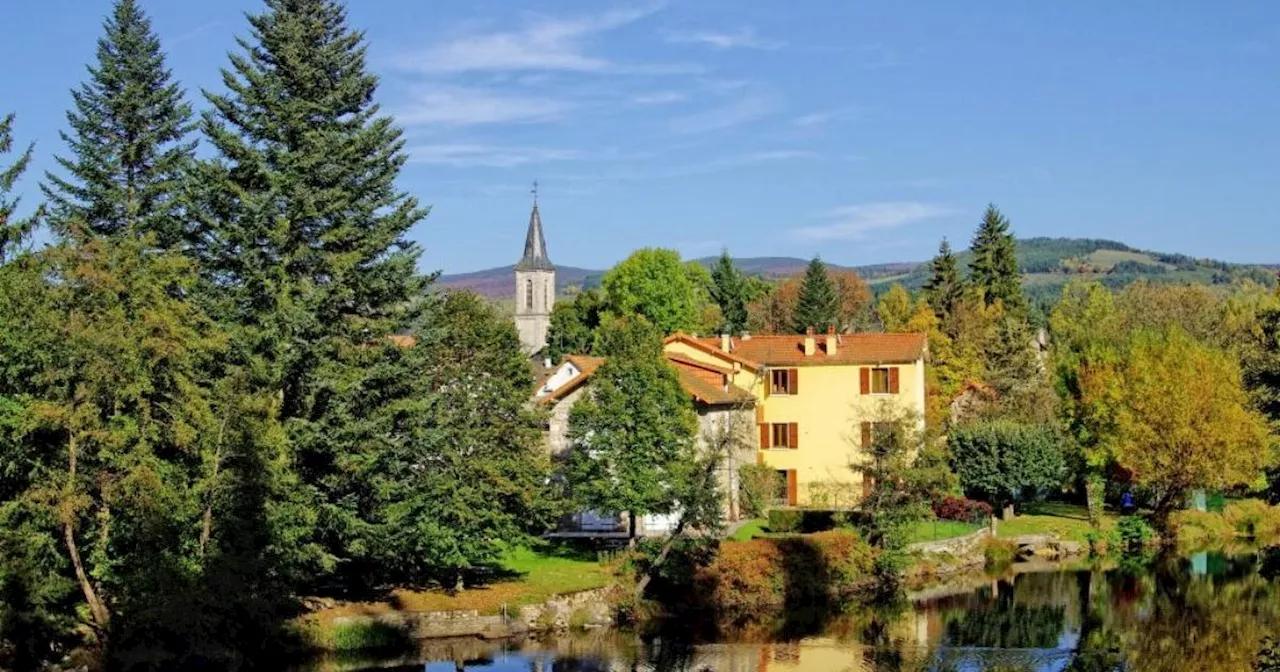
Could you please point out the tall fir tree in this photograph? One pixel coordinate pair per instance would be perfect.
(994, 268)
(819, 305)
(13, 229)
(129, 144)
(944, 289)
(303, 245)
(730, 292)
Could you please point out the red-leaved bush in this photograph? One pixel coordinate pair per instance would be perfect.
(753, 577)
(962, 509)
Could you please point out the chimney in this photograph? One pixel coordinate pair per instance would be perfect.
(746, 335)
(831, 341)
(546, 362)
(809, 345)
(726, 342)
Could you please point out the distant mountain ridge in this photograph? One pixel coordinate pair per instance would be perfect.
(1046, 263)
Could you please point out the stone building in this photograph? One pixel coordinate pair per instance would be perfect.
(535, 287)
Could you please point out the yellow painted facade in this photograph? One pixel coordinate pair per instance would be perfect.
(827, 412)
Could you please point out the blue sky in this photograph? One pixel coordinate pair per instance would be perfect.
(860, 131)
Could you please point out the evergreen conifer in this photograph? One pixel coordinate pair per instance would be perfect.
(994, 268)
(819, 306)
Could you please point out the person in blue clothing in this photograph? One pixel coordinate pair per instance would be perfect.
(1126, 502)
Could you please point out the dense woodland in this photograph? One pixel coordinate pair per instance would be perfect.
(224, 384)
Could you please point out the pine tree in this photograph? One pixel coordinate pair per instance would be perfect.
(12, 229)
(303, 246)
(994, 268)
(943, 289)
(128, 140)
(729, 291)
(819, 306)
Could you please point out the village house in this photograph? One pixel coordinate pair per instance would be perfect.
(819, 400)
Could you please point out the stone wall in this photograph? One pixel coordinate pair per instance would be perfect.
(585, 609)
(955, 546)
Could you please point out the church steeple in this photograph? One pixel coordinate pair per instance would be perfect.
(535, 245)
(535, 285)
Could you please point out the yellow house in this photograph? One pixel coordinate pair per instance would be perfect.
(818, 399)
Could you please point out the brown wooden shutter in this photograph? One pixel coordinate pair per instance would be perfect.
(759, 414)
(792, 488)
(864, 377)
(764, 435)
(793, 381)
(893, 380)
(866, 436)
(793, 435)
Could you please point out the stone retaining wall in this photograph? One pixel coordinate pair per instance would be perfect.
(956, 546)
(588, 608)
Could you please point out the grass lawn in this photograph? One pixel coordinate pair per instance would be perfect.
(750, 530)
(934, 530)
(1065, 521)
(533, 577)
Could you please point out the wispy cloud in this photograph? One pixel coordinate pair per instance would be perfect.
(742, 38)
(732, 114)
(854, 222)
(659, 98)
(544, 43)
(487, 156)
(822, 117)
(467, 106)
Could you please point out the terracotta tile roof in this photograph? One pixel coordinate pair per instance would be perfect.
(704, 382)
(707, 386)
(862, 348)
(712, 346)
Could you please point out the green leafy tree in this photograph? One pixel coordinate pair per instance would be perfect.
(894, 308)
(13, 229)
(907, 471)
(128, 140)
(303, 250)
(944, 289)
(730, 292)
(1260, 362)
(1005, 461)
(655, 284)
(1016, 371)
(818, 306)
(633, 436)
(1182, 419)
(574, 325)
(471, 478)
(994, 267)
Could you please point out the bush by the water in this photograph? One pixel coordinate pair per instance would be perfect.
(1134, 533)
(999, 552)
(761, 575)
(962, 509)
(1248, 518)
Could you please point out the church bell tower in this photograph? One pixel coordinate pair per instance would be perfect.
(535, 285)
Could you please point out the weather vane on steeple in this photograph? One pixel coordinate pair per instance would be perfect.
(534, 191)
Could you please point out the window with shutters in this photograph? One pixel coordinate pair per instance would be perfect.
(880, 381)
(784, 435)
(783, 381)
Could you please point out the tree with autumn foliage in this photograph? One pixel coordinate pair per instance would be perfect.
(1179, 419)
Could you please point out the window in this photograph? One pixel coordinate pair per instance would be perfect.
(528, 294)
(876, 436)
(879, 380)
(780, 435)
(784, 381)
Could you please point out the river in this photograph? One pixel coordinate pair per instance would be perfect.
(1206, 611)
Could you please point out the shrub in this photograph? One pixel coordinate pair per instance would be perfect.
(1246, 515)
(962, 509)
(755, 577)
(999, 552)
(788, 521)
(1134, 533)
(1199, 528)
(758, 484)
(785, 521)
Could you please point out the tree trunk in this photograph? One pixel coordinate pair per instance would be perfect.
(1094, 489)
(662, 557)
(206, 524)
(96, 608)
(631, 529)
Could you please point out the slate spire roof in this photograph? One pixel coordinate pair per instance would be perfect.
(535, 246)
